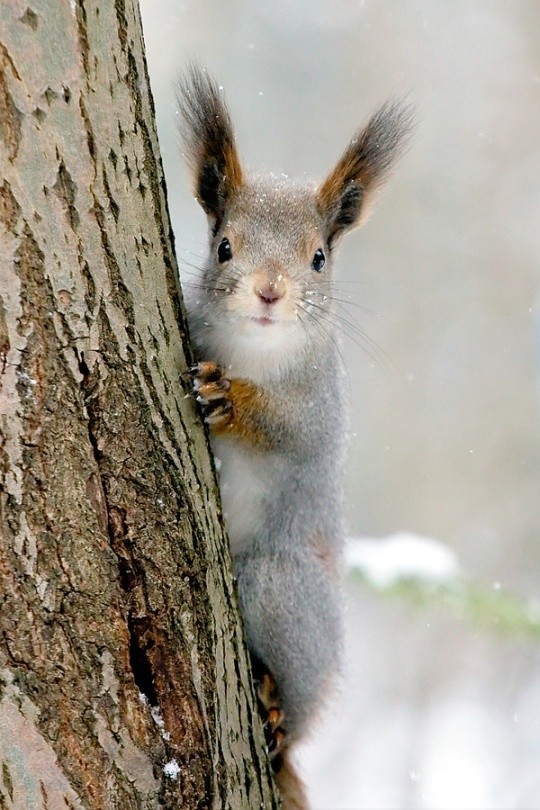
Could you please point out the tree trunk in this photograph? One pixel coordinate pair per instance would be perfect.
(123, 673)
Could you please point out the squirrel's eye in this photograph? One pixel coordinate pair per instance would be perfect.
(318, 261)
(224, 251)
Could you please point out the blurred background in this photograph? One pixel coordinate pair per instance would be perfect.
(439, 703)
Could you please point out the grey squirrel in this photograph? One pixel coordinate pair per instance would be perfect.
(270, 383)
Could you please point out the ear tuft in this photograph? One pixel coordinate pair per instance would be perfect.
(345, 195)
(209, 140)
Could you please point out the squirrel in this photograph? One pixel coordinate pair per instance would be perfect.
(271, 387)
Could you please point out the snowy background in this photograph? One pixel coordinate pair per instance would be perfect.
(439, 704)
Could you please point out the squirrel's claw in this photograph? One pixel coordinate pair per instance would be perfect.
(211, 389)
(206, 371)
(275, 743)
(217, 414)
(271, 713)
(206, 392)
(274, 734)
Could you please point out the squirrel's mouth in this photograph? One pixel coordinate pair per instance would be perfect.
(264, 320)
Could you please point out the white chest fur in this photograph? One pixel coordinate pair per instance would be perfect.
(246, 482)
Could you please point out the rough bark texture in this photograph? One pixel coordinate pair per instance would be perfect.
(115, 586)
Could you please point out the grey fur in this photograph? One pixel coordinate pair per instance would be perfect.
(288, 585)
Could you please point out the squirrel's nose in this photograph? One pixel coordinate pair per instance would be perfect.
(269, 294)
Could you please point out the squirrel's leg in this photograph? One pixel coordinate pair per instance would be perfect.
(269, 707)
(292, 618)
(290, 785)
(237, 407)
(290, 606)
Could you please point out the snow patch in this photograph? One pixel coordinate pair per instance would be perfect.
(156, 715)
(171, 769)
(155, 711)
(385, 561)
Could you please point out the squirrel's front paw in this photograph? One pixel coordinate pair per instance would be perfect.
(211, 388)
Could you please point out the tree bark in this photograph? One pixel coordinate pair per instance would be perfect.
(124, 679)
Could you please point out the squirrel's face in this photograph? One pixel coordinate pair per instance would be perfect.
(270, 264)
(269, 268)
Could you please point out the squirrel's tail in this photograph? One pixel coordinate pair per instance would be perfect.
(291, 788)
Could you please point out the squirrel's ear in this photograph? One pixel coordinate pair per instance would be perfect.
(209, 139)
(345, 195)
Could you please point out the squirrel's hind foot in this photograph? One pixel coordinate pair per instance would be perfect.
(270, 711)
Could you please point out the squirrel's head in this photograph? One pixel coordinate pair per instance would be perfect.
(272, 240)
